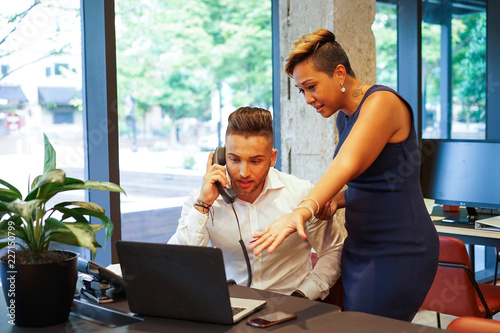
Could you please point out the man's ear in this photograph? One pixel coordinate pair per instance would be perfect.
(274, 155)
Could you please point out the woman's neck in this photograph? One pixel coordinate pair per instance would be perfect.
(355, 90)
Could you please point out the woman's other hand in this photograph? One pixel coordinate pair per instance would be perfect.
(277, 231)
(331, 207)
(327, 211)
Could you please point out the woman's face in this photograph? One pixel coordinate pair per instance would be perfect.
(320, 90)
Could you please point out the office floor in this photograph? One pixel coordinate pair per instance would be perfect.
(428, 318)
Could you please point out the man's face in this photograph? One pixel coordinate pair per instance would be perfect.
(248, 160)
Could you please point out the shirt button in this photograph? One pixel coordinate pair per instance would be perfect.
(252, 206)
(257, 258)
(256, 280)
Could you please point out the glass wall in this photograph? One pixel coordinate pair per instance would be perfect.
(40, 89)
(454, 69)
(182, 67)
(385, 30)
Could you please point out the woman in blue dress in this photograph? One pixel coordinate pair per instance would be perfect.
(390, 255)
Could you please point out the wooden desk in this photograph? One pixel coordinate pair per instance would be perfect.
(311, 317)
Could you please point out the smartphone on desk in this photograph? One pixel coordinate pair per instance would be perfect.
(271, 319)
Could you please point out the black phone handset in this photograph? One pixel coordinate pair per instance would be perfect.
(228, 194)
(97, 280)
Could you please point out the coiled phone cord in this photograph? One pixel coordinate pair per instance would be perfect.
(244, 248)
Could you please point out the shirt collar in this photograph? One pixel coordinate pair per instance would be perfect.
(273, 182)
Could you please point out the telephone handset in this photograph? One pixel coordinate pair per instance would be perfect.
(97, 280)
(228, 194)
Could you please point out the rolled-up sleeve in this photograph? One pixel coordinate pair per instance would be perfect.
(192, 228)
(327, 240)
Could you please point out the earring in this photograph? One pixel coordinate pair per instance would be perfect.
(343, 88)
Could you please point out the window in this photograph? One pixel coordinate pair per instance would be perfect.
(5, 70)
(385, 30)
(454, 69)
(59, 69)
(46, 33)
(182, 67)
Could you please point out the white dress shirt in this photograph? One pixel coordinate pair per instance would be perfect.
(289, 267)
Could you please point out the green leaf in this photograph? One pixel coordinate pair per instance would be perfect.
(77, 234)
(52, 223)
(91, 209)
(24, 208)
(82, 204)
(11, 192)
(50, 156)
(57, 176)
(35, 181)
(71, 212)
(19, 229)
(70, 180)
(4, 209)
(95, 185)
(8, 195)
(47, 185)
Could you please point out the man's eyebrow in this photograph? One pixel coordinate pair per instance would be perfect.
(255, 156)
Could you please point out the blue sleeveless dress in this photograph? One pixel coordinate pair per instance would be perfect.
(390, 255)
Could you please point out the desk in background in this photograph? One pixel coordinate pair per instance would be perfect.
(468, 234)
(312, 317)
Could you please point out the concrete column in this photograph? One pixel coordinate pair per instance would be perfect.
(308, 140)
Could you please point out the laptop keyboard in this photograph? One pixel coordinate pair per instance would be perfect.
(237, 310)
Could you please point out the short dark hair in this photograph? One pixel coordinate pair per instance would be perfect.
(250, 121)
(322, 50)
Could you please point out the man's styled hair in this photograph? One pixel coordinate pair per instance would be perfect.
(322, 50)
(251, 121)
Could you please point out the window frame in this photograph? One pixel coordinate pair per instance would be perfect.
(100, 114)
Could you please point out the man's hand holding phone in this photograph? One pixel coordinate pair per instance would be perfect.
(209, 192)
(228, 194)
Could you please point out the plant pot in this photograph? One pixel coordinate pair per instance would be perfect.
(39, 294)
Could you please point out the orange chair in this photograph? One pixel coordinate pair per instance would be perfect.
(336, 295)
(455, 290)
(474, 325)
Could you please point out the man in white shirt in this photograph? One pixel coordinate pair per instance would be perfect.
(264, 194)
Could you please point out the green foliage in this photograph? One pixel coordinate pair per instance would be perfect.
(36, 225)
(468, 65)
(385, 31)
(189, 162)
(177, 53)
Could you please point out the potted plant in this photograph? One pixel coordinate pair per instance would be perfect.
(34, 276)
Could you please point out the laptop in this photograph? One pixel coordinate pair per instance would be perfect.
(180, 282)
